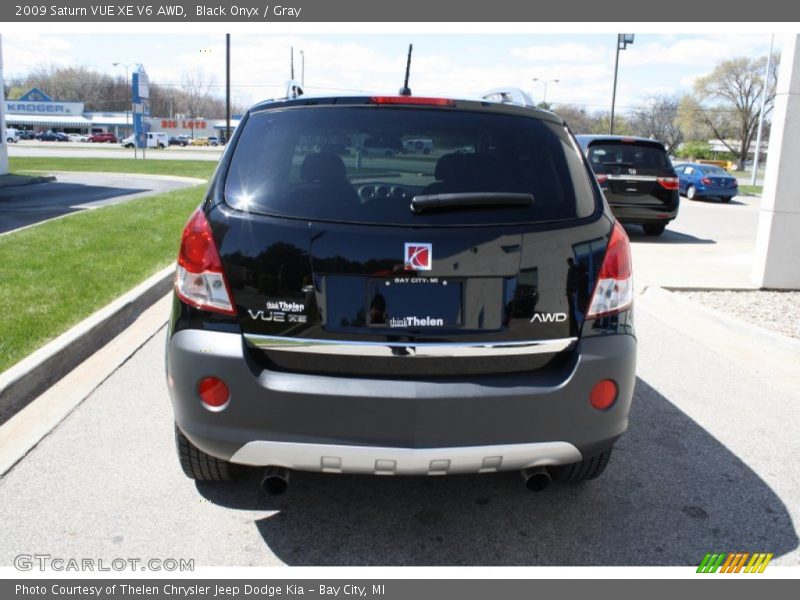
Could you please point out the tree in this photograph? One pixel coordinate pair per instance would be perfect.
(582, 121)
(729, 101)
(657, 118)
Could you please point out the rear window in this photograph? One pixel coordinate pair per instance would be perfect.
(714, 170)
(611, 157)
(365, 164)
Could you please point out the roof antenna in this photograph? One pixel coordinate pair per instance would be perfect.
(405, 91)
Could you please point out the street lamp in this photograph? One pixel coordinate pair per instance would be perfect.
(545, 82)
(127, 87)
(623, 39)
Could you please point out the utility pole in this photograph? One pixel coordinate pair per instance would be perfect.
(227, 87)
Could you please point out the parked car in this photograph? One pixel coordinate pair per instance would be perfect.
(27, 134)
(637, 178)
(199, 141)
(154, 139)
(178, 140)
(77, 137)
(52, 136)
(213, 140)
(12, 135)
(706, 181)
(320, 324)
(103, 138)
(381, 145)
(416, 145)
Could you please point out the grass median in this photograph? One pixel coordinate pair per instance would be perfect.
(60, 272)
(203, 169)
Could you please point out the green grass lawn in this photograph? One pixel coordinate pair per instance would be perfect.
(752, 190)
(60, 272)
(203, 169)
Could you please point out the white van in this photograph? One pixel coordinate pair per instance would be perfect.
(155, 139)
(12, 135)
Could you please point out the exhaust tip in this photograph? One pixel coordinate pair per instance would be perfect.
(536, 479)
(275, 481)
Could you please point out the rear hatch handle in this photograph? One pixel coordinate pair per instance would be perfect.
(473, 199)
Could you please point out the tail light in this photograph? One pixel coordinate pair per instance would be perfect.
(614, 290)
(412, 100)
(199, 280)
(601, 179)
(669, 183)
(705, 181)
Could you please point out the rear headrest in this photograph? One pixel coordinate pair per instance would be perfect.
(323, 166)
(467, 168)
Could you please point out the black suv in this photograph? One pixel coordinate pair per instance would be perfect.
(636, 177)
(463, 311)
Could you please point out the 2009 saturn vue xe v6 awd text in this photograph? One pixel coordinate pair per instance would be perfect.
(466, 310)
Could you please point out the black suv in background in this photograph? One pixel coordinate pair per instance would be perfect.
(468, 310)
(636, 177)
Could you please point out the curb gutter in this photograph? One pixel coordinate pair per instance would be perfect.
(33, 375)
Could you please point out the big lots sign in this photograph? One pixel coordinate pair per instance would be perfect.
(183, 124)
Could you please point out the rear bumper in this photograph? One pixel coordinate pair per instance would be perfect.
(363, 425)
(714, 191)
(643, 214)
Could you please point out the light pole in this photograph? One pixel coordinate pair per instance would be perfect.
(545, 82)
(761, 112)
(623, 39)
(127, 86)
(303, 69)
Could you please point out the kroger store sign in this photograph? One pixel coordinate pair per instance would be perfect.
(20, 107)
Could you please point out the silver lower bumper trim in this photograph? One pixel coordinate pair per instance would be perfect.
(376, 460)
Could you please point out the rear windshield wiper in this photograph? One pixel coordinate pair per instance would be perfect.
(472, 199)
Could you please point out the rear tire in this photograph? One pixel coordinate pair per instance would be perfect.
(589, 468)
(726, 198)
(200, 466)
(691, 192)
(654, 230)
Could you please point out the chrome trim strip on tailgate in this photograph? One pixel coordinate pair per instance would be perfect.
(377, 460)
(427, 349)
(622, 177)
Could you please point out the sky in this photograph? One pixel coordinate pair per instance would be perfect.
(443, 64)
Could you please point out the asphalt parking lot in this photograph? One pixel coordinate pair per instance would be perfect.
(694, 473)
(72, 192)
(89, 150)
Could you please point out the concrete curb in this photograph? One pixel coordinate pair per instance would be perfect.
(7, 181)
(33, 375)
(156, 176)
(758, 350)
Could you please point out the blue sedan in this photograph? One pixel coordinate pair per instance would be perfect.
(697, 180)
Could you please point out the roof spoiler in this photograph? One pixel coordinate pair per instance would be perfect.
(508, 95)
(294, 89)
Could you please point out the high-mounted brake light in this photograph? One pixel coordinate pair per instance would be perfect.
(669, 183)
(614, 290)
(414, 100)
(199, 279)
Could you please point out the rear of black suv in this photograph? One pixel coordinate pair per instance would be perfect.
(463, 311)
(637, 178)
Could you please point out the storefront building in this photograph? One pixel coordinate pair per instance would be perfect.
(36, 111)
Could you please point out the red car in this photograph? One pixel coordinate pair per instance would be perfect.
(108, 138)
